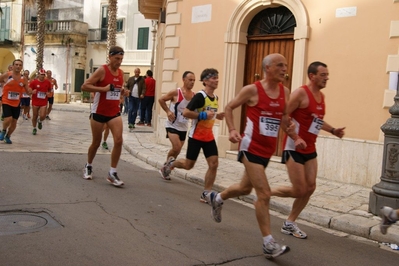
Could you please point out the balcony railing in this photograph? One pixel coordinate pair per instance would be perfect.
(137, 57)
(59, 26)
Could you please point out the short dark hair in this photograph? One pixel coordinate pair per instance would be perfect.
(149, 73)
(314, 66)
(186, 73)
(13, 62)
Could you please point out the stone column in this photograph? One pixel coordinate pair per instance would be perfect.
(386, 192)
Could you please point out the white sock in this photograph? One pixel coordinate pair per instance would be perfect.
(112, 170)
(267, 239)
(88, 164)
(219, 198)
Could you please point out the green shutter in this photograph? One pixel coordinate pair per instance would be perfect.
(142, 40)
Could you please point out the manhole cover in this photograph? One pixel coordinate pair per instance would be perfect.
(21, 223)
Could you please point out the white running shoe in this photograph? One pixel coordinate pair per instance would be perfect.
(114, 179)
(293, 229)
(87, 172)
(272, 250)
(386, 221)
(216, 206)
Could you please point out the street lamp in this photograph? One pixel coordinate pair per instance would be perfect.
(154, 32)
(386, 192)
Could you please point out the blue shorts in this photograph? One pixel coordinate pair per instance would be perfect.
(25, 101)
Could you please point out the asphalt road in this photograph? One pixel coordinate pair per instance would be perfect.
(147, 222)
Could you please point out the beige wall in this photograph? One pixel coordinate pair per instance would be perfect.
(359, 51)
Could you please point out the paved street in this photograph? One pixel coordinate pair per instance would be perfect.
(94, 216)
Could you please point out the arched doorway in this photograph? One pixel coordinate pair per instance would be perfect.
(270, 31)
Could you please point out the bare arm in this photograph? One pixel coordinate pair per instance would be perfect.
(170, 96)
(338, 132)
(55, 84)
(97, 76)
(246, 95)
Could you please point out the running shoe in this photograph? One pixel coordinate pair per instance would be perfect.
(7, 140)
(140, 123)
(166, 169)
(88, 172)
(47, 117)
(386, 220)
(203, 197)
(272, 250)
(105, 145)
(293, 229)
(114, 179)
(131, 126)
(40, 124)
(34, 131)
(2, 134)
(216, 206)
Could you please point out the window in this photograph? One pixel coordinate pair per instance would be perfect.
(142, 40)
(5, 24)
(119, 25)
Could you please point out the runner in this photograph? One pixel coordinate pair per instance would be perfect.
(41, 88)
(176, 125)
(13, 88)
(50, 98)
(107, 83)
(25, 99)
(203, 110)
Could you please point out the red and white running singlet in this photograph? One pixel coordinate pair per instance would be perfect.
(107, 103)
(308, 123)
(263, 123)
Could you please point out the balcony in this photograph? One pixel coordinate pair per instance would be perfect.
(150, 8)
(137, 58)
(59, 26)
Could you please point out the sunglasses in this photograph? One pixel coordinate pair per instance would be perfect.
(115, 53)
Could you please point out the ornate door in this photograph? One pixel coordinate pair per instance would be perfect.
(270, 31)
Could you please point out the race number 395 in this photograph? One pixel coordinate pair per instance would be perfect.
(269, 126)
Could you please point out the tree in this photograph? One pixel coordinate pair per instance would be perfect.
(42, 6)
(111, 33)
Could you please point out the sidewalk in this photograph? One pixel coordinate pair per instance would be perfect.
(337, 206)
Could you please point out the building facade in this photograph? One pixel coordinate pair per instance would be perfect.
(76, 41)
(358, 40)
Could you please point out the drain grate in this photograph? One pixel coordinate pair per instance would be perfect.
(22, 223)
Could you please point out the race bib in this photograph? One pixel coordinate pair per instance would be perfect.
(269, 126)
(180, 118)
(316, 125)
(113, 95)
(12, 95)
(25, 95)
(41, 95)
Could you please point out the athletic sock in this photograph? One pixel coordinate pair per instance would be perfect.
(267, 239)
(112, 170)
(219, 198)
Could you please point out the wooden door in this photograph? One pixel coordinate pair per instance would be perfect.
(258, 47)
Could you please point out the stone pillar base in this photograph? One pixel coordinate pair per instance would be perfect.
(377, 201)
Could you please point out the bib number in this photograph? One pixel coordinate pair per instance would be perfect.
(269, 126)
(12, 95)
(316, 126)
(113, 95)
(25, 95)
(41, 95)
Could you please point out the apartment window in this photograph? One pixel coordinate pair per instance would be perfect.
(142, 40)
(119, 25)
(5, 24)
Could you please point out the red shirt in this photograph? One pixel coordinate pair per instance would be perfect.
(107, 103)
(150, 86)
(263, 123)
(42, 88)
(308, 122)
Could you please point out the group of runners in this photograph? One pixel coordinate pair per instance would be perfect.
(17, 93)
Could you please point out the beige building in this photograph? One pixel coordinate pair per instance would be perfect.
(358, 40)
